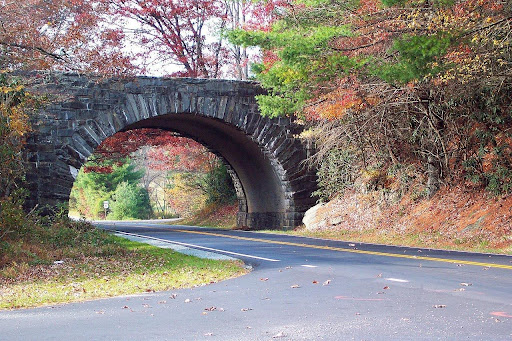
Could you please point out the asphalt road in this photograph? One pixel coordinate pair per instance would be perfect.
(299, 289)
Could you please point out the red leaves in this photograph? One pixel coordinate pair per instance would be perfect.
(123, 144)
(62, 35)
(98, 169)
(172, 31)
(170, 152)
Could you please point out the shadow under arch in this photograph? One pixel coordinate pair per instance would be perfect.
(262, 197)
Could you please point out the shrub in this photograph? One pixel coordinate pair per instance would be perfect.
(336, 173)
(130, 202)
(218, 186)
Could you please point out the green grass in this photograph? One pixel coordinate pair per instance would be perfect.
(138, 268)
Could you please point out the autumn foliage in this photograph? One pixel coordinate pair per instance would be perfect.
(175, 173)
(169, 152)
(61, 35)
(396, 82)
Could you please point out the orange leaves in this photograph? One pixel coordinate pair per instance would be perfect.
(368, 6)
(348, 96)
(336, 104)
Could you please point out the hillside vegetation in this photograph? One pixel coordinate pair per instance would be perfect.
(409, 107)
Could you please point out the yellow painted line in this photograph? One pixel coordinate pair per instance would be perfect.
(339, 249)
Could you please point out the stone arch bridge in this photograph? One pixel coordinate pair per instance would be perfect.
(264, 158)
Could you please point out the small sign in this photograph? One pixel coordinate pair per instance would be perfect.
(105, 204)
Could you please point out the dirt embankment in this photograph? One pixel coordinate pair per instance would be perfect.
(455, 218)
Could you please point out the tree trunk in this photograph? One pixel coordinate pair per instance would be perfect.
(433, 173)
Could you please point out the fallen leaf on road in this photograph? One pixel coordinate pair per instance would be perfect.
(264, 279)
(246, 309)
(315, 282)
(126, 307)
(278, 335)
(501, 314)
(386, 287)
(326, 282)
(439, 306)
(466, 284)
(295, 286)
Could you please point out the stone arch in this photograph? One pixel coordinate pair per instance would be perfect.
(265, 159)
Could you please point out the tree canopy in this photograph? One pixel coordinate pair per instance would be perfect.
(62, 35)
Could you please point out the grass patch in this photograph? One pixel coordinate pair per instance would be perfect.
(99, 265)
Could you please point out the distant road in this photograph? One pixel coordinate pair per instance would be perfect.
(299, 289)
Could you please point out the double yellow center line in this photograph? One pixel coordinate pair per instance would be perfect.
(339, 249)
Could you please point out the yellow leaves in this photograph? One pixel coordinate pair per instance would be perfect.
(10, 89)
(19, 124)
(308, 134)
(15, 120)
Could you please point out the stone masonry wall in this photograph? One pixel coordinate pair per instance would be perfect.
(83, 111)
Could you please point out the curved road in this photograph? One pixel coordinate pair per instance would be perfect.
(299, 289)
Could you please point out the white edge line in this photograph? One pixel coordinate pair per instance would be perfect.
(198, 246)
